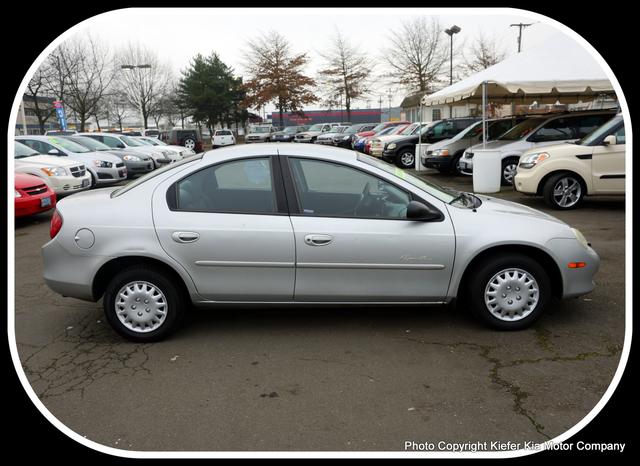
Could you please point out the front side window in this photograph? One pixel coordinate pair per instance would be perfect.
(556, 130)
(240, 186)
(327, 189)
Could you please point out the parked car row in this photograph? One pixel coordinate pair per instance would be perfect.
(67, 164)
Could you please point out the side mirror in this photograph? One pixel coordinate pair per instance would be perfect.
(420, 212)
(121, 146)
(610, 140)
(54, 152)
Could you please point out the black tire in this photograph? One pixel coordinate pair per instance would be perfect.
(409, 156)
(548, 191)
(483, 274)
(174, 299)
(511, 162)
(94, 182)
(455, 164)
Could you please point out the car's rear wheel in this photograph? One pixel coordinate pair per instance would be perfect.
(563, 191)
(142, 304)
(406, 158)
(509, 292)
(509, 167)
(190, 143)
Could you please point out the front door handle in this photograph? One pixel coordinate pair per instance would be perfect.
(185, 236)
(318, 240)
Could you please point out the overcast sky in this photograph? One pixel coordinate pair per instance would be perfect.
(179, 34)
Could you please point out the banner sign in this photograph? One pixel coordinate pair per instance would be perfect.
(62, 119)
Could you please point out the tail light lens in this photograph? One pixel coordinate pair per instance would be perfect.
(56, 224)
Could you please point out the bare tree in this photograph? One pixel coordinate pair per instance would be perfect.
(117, 108)
(276, 75)
(346, 73)
(89, 73)
(142, 77)
(37, 89)
(482, 54)
(416, 55)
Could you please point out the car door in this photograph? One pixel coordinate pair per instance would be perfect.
(608, 165)
(354, 242)
(228, 225)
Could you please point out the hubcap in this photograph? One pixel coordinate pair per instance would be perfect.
(567, 192)
(407, 159)
(509, 172)
(511, 294)
(189, 144)
(141, 306)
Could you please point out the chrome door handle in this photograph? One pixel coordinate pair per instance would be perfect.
(318, 240)
(185, 236)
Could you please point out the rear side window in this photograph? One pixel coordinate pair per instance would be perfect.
(498, 128)
(586, 124)
(240, 186)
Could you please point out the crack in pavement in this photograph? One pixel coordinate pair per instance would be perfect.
(518, 394)
(89, 352)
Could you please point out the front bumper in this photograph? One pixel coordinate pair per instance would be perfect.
(69, 184)
(303, 140)
(110, 175)
(441, 163)
(466, 166)
(578, 281)
(526, 181)
(31, 205)
(138, 168)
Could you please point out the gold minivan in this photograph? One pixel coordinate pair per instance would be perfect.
(564, 173)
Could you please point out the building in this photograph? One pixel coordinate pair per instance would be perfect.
(27, 121)
(310, 117)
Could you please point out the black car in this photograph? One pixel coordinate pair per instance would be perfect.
(445, 155)
(402, 152)
(288, 133)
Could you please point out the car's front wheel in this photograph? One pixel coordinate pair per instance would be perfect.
(142, 304)
(509, 292)
(406, 158)
(509, 167)
(563, 191)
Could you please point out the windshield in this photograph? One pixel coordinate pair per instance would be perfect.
(69, 145)
(316, 127)
(600, 132)
(260, 129)
(154, 173)
(431, 188)
(89, 143)
(379, 127)
(22, 150)
(144, 141)
(353, 129)
(290, 130)
(388, 130)
(129, 141)
(521, 130)
(409, 130)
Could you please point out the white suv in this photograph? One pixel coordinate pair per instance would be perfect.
(222, 137)
(534, 132)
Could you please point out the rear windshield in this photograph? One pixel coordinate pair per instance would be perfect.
(521, 130)
(154, 173)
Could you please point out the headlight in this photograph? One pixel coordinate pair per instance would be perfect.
(344, 138)
(102, 164)
(441, 152)
(131, 158)
(57, 171)
(391, 146)
(530, 161)
(580, 237)
(18, 194)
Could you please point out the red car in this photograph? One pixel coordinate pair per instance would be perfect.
(392, 130)
(377, 129)
(33, 195)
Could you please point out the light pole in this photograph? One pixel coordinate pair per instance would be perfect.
(131, 67)
(451, 31)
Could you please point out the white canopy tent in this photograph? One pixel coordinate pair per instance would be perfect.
(559, 69)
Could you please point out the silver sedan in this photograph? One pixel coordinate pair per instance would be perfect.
(305, 224)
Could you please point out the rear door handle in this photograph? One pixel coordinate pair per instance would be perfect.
(185, 236)
(318, 240)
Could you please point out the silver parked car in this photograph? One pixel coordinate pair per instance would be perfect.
(305, 224)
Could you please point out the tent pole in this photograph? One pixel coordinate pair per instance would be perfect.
(419, 136)
(484, 114)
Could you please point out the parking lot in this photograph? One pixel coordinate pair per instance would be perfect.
(325, 379)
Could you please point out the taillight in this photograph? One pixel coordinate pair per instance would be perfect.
(56, 224)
